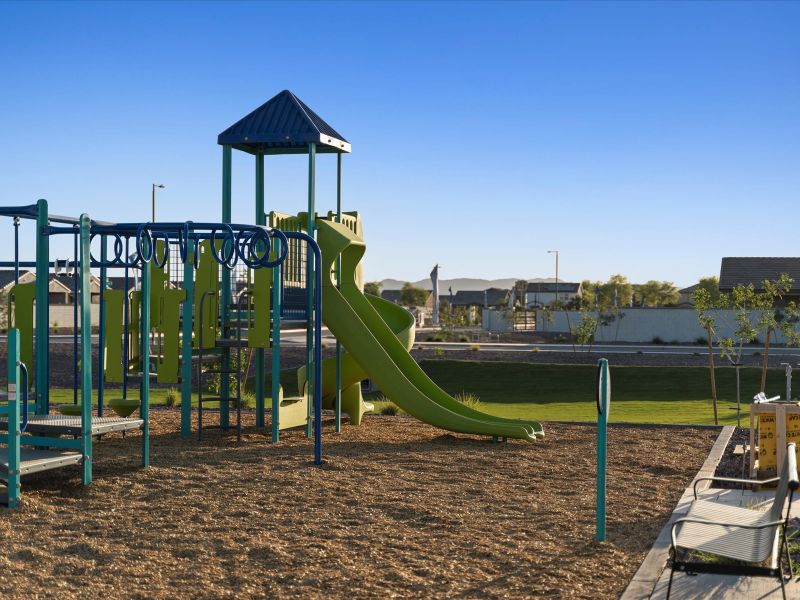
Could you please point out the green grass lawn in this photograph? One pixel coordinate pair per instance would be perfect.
(566, 392)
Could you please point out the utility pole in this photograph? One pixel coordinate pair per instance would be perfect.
(556, 253)
(156, 185)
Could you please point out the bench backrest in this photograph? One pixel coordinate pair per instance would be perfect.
(787, 484)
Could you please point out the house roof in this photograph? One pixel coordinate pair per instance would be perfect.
(689, 290)
(745, 270)
(391, 295)
(283, 125)
(7, 276)
(549, 287)
(491, 297)
(118, 283)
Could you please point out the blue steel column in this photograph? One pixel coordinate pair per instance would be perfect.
(337, 403)
(261, 219)
(75, 286)
(101, 358)
(86, 348)
(604, 403)
(312, 168)
(14, 393)
(186, 341)
(225, 292)
(144, 352)
(276, 345)
(42, 309)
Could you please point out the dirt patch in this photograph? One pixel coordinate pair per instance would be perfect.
(399, 509)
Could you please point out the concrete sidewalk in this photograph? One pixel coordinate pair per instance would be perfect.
(652, 578)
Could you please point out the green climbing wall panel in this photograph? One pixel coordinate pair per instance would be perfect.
(21, 306)
(206, 283)
(113, 303)
(168, 363)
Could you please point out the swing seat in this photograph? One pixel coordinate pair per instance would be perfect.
(124, 407)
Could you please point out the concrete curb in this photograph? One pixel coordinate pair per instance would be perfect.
(644, 581)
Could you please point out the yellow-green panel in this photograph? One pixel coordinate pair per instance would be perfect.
(113, 302)
(133, 329)
(158, 283)
(206, 280)
(20, 305)
(258, 334)
(168, 364)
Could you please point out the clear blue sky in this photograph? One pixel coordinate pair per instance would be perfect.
(645, 139)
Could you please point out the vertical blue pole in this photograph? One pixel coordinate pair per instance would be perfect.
(76, 266)
(86, 348)
(125, 324)
(337, 403)
(186, 341)
(604, 403)
(14, 392)
(225, 292)
(101, 358)
(312, 176)
(261, 219)
(42, 309)
(144, 339)
(276, 345)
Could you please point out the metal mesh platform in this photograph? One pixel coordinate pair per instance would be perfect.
(33, 460)
(69, 425)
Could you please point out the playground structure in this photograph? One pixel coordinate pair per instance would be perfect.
(179, 330)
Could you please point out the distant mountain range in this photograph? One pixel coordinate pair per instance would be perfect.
(461, 283)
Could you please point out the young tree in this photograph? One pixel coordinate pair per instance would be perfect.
(520, 289)
(657, 293)
(413, 296)
(710, 284)
(372, 288)
(614, 293)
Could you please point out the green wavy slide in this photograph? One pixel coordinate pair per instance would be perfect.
(377, 335)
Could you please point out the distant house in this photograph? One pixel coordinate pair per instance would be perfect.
(543, 293)
(7, 279)
(61, 289)
(746, 270)
(686, 299)
(480, 298)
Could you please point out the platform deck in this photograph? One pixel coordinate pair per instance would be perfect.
(33, 460)
(69, 425)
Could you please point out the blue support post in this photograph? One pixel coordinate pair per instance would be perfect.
(337, 402)
(603, 408)
(276, 346)
(42, 309)
(261, 219)
(186, 341)
(225, 292)
(75, 292)
(86, 348)
(101, 358)
(12, 366)
(144, 338)
(312, 175)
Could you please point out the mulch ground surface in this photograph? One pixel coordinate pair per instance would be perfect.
(399, 509)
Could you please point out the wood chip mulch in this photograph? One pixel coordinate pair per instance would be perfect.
(399, 509)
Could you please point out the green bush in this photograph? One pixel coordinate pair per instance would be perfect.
(657, 340)
(701, 341)
(463, 338)
(536, 349)
(390, 410)
(469, 400)
(172, 398)
(438, 351)
(474, 347)
(436, 337)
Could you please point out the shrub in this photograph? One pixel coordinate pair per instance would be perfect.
(756, 353)
(436, 337)
(536, 349)
(560, 339)
(469, 400)
(463, 338)
(474, 347)
(701, 341)
(390, 410)
(438, 351)
(248, 400)
(695, 354)
(657, 340)
(172, 398)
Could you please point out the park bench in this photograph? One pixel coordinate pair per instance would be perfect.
(752, 539)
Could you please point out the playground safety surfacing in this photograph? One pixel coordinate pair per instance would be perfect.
(399, 509)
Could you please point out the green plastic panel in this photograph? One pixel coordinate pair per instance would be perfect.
(168, 363)
(113, 301)
(20, 304)
(133, 330)
(158, 281)
(258, 334)
(206, 281)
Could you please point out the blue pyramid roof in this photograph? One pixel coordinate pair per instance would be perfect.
(283, 125)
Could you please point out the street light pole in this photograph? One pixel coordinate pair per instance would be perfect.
(556, 253)
(155, 185)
